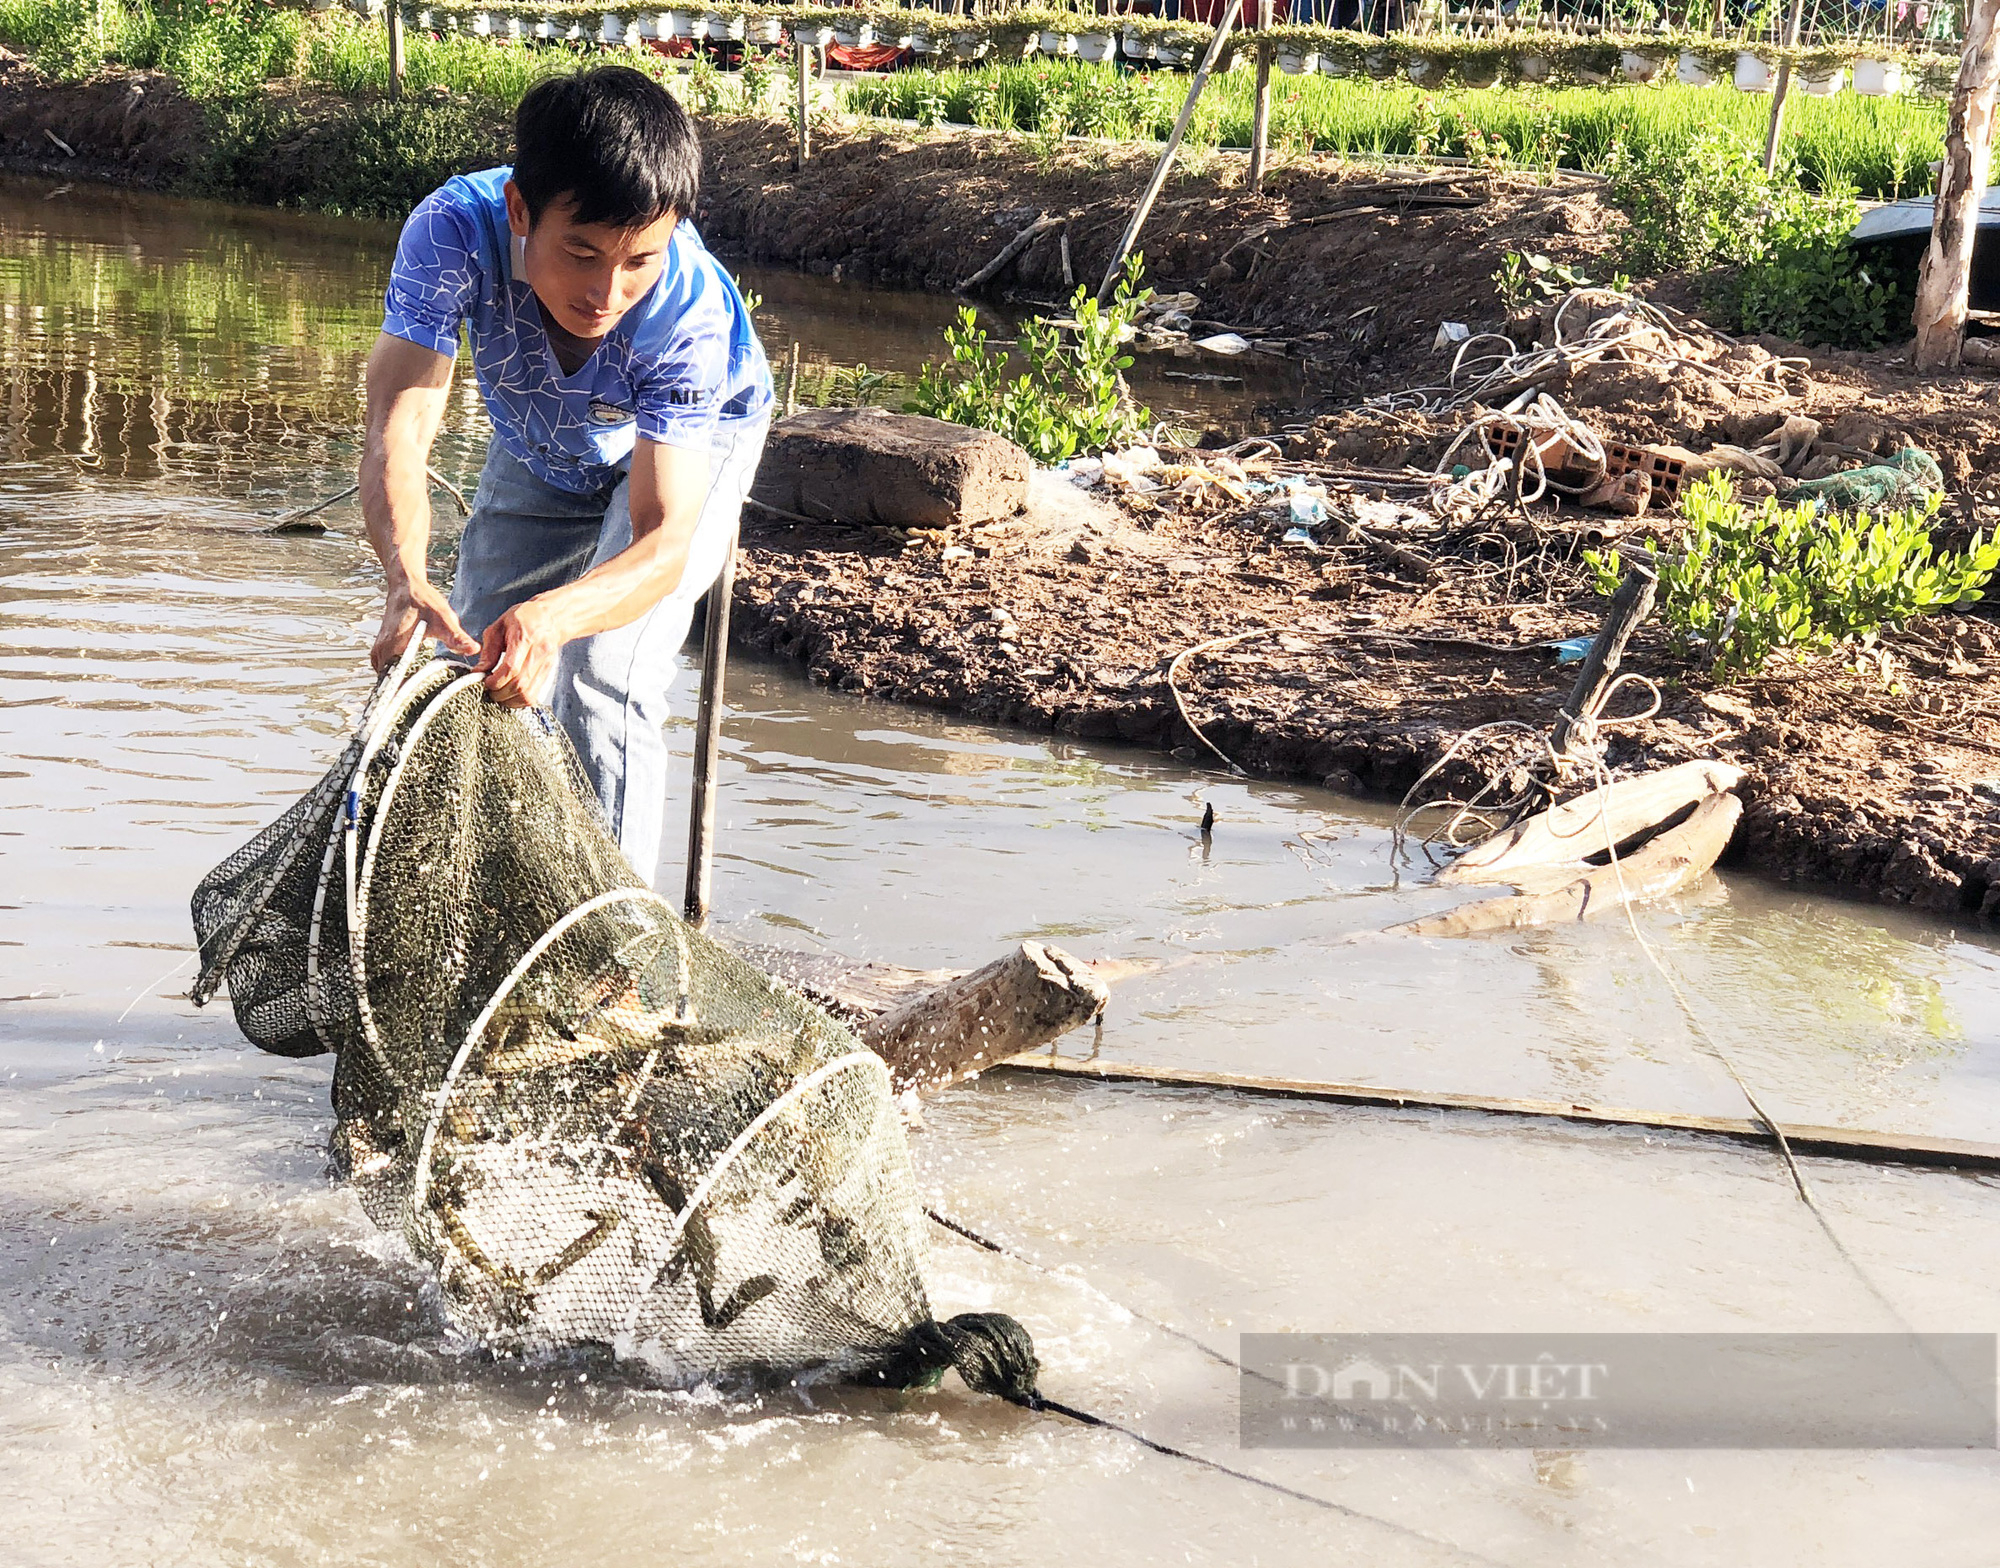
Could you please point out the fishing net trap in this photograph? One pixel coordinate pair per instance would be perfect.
(590, 1120)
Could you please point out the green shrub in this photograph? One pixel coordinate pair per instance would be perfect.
(368, 160)
(1069, 397)
(1806, 283)
(1778, 251)
(1742, 583)
(1692, 203)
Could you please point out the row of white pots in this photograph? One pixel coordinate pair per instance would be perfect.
(622, 27)
(1873, 78)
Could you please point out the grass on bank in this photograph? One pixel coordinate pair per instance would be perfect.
(1683, 161)
(1880, 146)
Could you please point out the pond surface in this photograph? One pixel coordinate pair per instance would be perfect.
(208, 1355)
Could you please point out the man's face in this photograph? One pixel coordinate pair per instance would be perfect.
(587, 275)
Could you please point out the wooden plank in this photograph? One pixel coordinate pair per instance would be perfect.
(1840, 1143)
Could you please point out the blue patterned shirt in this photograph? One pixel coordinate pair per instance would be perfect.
(680, 362)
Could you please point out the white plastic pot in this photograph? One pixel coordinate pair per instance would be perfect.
(1379, 63)
(1638, 67)
(1055, 44)
(1535, 68)
(1752, 74)
(1095, 46)
(1334, 65)
(1878, 78)
(1137, 48)
(612, 29)
(1823, 86)
(681, 24)
(1479, 76)
(722, 28)
(1172, 54)
(921, 41)
(969, 46)
(763, 29)
(1298, 62)
(646, 26)
(814, 37)
(1690, 71)
(1423, 70)
(856, 36)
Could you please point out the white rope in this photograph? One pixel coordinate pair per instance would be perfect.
(1634, 332)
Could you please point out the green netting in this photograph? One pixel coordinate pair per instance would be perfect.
(595, 1123)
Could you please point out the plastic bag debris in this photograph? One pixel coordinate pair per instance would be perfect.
(1224, 343)
(1571, 650)
(1450, 332)
(1308, 510)
(1299, 536)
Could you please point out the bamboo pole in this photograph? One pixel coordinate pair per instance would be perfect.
(1260, 120)
(804, 103)
(1839, 1143)
(708, 742)
(1945, 282)
(1153, 185)
(395, 13)
(1782, 88)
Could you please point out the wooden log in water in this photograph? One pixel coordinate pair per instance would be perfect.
(1659, 867)
(1028, 998)
(934, 1026)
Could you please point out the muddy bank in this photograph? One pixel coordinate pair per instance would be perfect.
(1354, 671)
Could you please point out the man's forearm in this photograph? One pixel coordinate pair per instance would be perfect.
(618, 591)
(395, 503)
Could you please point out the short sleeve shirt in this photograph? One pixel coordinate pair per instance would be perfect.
(680, 365)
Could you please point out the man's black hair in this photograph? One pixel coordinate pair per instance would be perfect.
(613, 139)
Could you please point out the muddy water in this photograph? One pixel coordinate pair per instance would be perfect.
(207, 1355)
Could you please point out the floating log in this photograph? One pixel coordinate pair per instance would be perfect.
(1028, 998)
(1662, 865)
(934, 1026)
(1840, 1143)
(1554, 843)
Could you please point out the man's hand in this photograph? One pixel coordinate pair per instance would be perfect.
(519, 654)
(410, 606)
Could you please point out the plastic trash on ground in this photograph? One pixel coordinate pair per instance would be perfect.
(1450, 332)
(1224, 343)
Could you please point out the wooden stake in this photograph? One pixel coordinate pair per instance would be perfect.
(1260, 120)
(1782, 87)
(395, 49)
(792, 383)
(1945, 281)
(708, 742)
(1629, 606)
(805, 104)
(1153, 185)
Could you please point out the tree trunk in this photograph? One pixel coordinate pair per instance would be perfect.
(1943, 285)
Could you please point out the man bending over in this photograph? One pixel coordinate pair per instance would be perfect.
(630, 400)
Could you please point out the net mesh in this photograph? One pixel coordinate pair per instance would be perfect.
(592, 1121)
